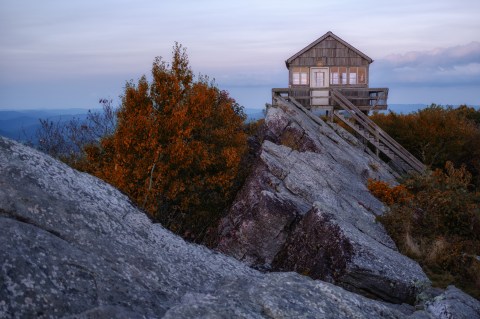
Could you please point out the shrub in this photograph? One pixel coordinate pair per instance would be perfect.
(435, 219)
(438, 134)
(387, 194)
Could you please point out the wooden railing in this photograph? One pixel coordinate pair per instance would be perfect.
(363, 125)
(383, 142)
(365, 98)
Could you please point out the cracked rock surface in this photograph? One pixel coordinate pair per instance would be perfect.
(306, 208)
(73, 246)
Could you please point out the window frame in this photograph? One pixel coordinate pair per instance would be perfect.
(342, 75)
(300, 76)
(334, 76)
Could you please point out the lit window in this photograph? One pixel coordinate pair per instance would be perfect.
(303, 77)
(296, 78)
(362, 76)
(334, 76)
(343, 75)
(300, 76)
(352, 75)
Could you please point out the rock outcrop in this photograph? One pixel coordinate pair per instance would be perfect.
(73, 246)
(453, 303)
(306, 208)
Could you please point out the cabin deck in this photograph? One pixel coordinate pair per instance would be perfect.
(366, 99)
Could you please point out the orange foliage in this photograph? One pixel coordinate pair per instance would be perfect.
(435, 218)
(387, 194)
(438, 134)
(177, 147)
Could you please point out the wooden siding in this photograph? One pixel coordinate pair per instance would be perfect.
(329, 52)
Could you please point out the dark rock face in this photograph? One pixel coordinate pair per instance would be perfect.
(253, 228)
(317, 248)
(75, 247)
(306, 208)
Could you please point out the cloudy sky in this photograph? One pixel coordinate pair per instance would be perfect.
(68, 54)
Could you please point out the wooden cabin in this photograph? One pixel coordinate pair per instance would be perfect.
(329, 63)
(331, 75)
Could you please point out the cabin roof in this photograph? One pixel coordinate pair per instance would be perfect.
(323, 37)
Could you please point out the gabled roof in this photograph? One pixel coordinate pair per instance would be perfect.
(323, 37)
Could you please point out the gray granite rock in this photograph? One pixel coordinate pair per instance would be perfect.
(453, 303)
(72, 246)
(306, 208)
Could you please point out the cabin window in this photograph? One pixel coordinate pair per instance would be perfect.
(300, 76)
(334, 76)
(362, 76)
(343, 75)
(338, 75)
(351, 75)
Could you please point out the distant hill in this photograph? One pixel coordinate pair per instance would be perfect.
(21, 125)
(406, 108)
(410, 108)
(254, 114)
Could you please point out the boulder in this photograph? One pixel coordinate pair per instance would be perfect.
(453, 303)
(306, 208)
(75, 247)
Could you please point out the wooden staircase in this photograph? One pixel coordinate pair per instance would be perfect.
(399, 157)
(395, 155)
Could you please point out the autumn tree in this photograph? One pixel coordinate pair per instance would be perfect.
(177, 147)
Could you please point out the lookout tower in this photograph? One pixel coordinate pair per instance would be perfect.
(329, 63)
(331, 75)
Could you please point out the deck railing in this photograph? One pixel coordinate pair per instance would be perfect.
(364, 98)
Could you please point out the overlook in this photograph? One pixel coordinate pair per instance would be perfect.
(332, 76)
(174, 205)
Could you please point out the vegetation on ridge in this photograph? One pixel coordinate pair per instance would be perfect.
(176, 149)
(438, 134)
(435, 218)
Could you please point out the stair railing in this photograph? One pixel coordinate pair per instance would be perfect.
(372, 128)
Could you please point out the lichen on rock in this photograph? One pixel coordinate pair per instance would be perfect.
(331, 232)
(73, 246)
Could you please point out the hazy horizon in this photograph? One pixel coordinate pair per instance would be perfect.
(68, 55)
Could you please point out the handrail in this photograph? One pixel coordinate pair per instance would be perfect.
(373, 98)
(369, 127)
(374, 129)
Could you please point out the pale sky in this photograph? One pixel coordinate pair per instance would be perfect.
(68, 54)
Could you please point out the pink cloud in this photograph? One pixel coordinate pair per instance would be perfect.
(461, 54)
(457, 65)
